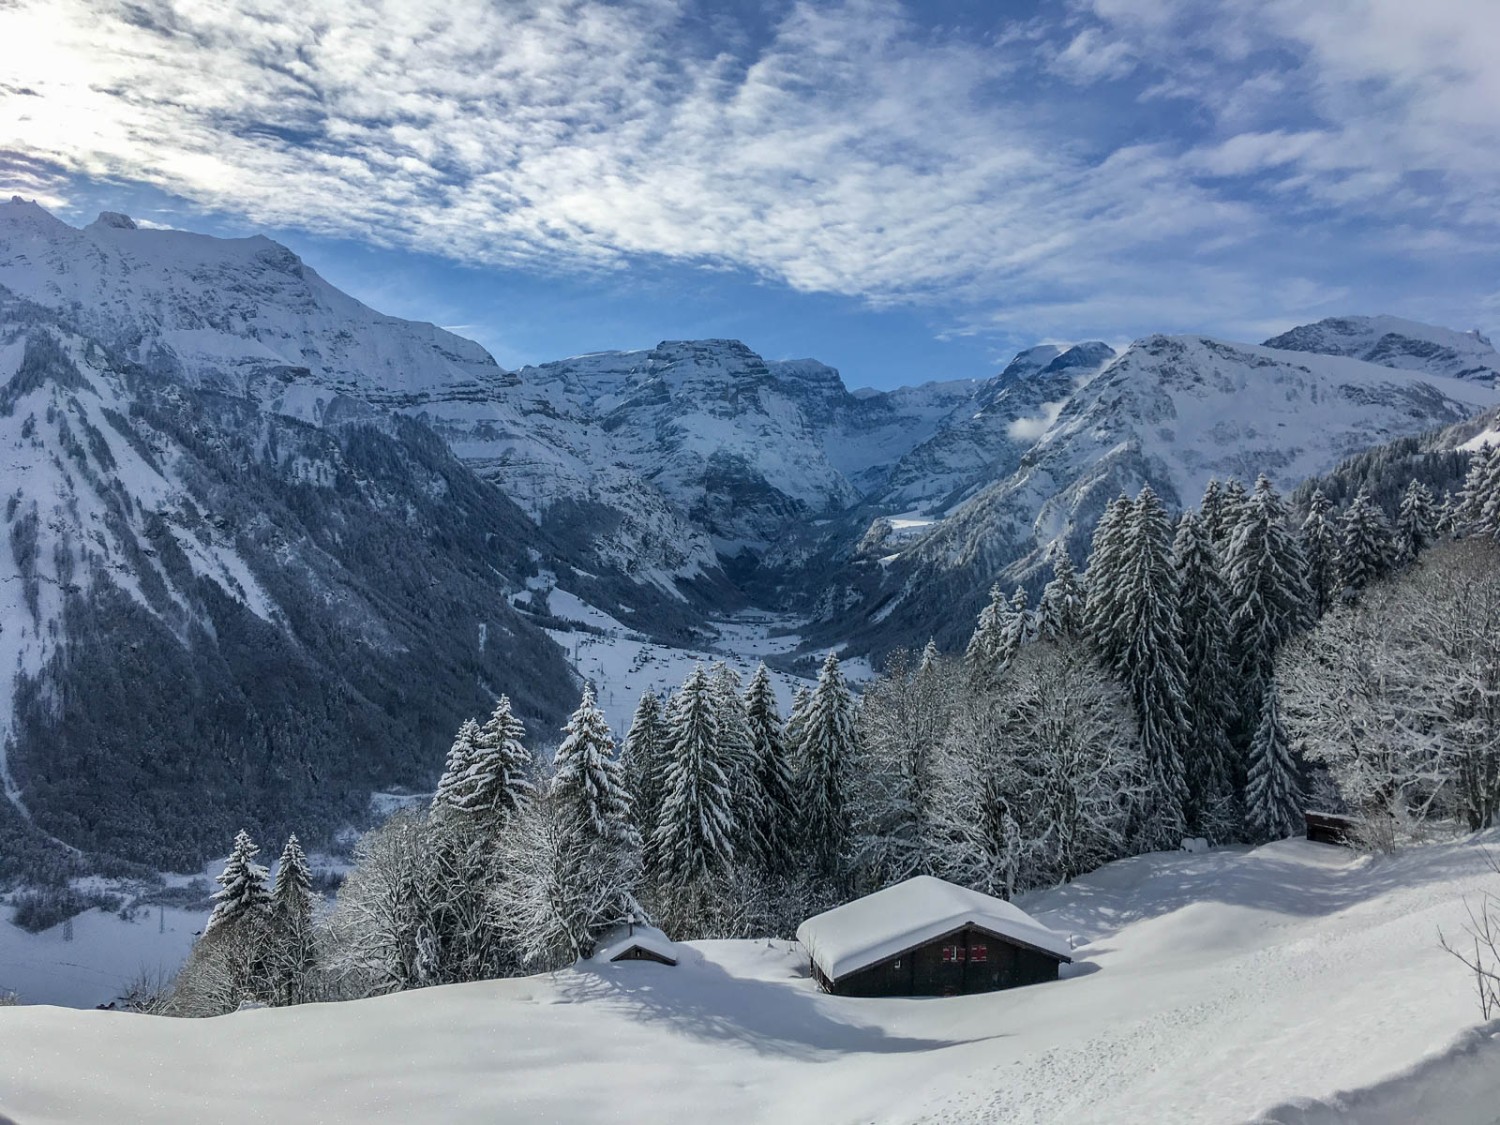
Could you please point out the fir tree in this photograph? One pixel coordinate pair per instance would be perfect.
(1479, 500)
(1273, 799)
(488, 769)
(1018, 630)
(1151, 663)
(776, 814)
(587, 779)
(291, 955)
(242, 894)
(1265, 571)
(1061, 612)
(1204, 623)
(1105, 579)
(1416, 522)
(1367, 548)
(1320, 548)
(694, 836)
(983, 655)
(644, 759)
(1216, 524)
(1236, 501)
(828, 758)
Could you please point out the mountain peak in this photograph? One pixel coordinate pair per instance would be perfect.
(1393, 341)
(114, 219)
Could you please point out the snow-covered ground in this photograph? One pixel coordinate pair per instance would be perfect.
(1295, 983)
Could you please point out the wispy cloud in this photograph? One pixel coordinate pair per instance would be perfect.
(840, 147)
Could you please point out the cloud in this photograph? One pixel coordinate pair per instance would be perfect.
(841, 147)
(1030, 429)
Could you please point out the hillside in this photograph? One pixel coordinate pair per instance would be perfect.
(1290, 983)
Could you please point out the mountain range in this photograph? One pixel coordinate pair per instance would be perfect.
(267, 546)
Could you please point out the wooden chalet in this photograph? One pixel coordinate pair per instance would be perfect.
(929, 937)
(634, 941)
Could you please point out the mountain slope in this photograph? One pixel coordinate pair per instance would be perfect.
(1393, 342)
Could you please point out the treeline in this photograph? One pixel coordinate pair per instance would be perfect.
(1133, 706)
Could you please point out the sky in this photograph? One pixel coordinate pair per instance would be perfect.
(907, 191)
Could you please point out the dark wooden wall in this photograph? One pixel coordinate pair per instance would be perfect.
(968, 960)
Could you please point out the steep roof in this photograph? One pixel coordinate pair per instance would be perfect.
(620, 939)
(870, 929)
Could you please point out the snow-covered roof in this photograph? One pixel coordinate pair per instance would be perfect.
(624, 937)
(870, 929)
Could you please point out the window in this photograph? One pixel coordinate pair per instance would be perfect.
(953, 953)
(979, 953)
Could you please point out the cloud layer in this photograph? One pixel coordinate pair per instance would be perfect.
(1092, 169)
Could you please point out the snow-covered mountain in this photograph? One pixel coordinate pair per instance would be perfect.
(269, 493)
(1393, 342)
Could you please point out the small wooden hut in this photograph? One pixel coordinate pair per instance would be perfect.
(929, 937)
(634, 941)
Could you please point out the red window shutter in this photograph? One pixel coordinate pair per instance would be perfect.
(979, 953)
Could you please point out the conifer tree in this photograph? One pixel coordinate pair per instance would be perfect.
(1416, 522)
(829, 756)
(1204, 624)
(1061, 611)
(291, 956)
(587, 779)
(1151, 664)
(1018, 630)
(1367, 547)
(1105, 579)
(487, 775)
(242, 894)
(776, 813)
(1479, 500)
(983, 656)
(1320, 546)
(1211, 509)
(644, 760)
(1236, 500)
(694, 836)
(1273, 798)
(1265, 572)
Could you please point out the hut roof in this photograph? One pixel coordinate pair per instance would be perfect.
(620, 939)
(870, 929)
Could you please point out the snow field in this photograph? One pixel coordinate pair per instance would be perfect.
(1286, 981)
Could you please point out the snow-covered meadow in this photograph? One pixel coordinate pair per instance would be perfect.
(1294, 982)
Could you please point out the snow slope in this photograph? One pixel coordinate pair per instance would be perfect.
(1393, 342)
(1286, 981)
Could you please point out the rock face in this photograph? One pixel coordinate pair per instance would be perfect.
(255, 514)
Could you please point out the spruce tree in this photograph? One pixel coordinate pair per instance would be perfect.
(242, 894)
(1105, 579)
(776, 813)
(982, 657)
(1320, 546)
(1367, 547)
(1204, 624)
(1151, 664)
(1061, 612)
(695, 833)
(1018, 630)
(644, 759)
(587, 779)
(829, 756)
(1479, 500)
(1273, 798)
(488, 770)
(1265, 572)
(1211, 510)
(291, 955)
(1416, 522)
(1236, 500)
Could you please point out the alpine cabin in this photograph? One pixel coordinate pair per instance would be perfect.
(929, 937)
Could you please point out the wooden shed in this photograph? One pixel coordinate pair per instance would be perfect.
(1330, 828)
(635, 941)
(929, 937)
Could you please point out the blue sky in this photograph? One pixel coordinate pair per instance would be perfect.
(906, 191)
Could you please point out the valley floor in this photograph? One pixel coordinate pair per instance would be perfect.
(1290, 983)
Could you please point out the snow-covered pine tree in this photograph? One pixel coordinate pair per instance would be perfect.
(1236, 499)
(1105, 578)
(829, 756)
(489, 775)
(1416, 521)
(983, 655)
(694, 835)
(242, 894)
(1479, 500)
(1320, 546)
(1215, 522)
(1265, 571)
(1151, 664)
(1448, 521)
(1060, 614)
(776, 813)
(1273, 797)
(644, 760)
(1367, 547)
(587, 780)
(291, 955)
(1204, 623)
(1018, 630)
